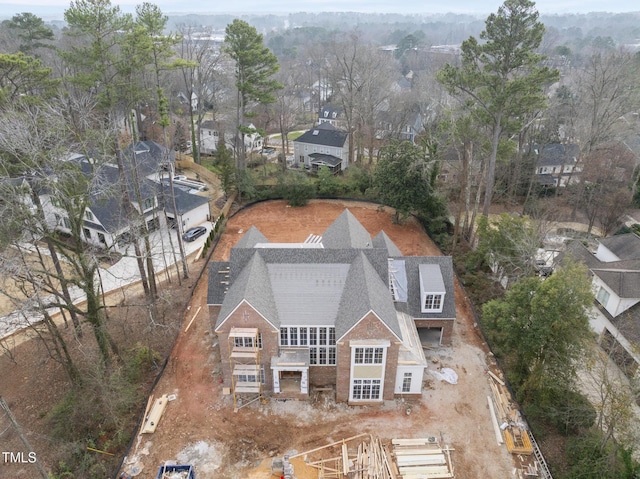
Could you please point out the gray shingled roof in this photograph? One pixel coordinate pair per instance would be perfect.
(307, 293)
(626, 284)
(381, 240)
(324, 134)
(150, 157)
(346, 232)
(413, 306)
(252, 237)
(321, 159)
(623, 277)
(626, 246)
(184, 201)
(364, 291)
(239, 257)
(332, 285)
(252, 285)
(557, 154)
(330, 110)
(218, 283)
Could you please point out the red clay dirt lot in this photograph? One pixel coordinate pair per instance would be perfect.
(200, 427)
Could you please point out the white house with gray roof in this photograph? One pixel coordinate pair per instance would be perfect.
(323, 145)
(615, 270)
(347, 313)
(106, 221)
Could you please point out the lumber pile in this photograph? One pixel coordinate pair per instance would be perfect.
(422, 459)
(358, 457)
(506, 417)
(365, 457)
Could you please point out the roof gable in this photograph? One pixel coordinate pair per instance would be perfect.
(253, 286)
(252, 237)
(346, 232)
(381, 240)
(365, 292)
(625, 246)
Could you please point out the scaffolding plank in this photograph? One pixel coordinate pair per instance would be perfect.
(240, 369)
(246, 389)
(243, 332)
(244, 354)
(435, 475)
(345, 459)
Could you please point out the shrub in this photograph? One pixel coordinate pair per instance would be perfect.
(296, 187)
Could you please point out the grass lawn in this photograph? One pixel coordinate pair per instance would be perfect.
(294, 135)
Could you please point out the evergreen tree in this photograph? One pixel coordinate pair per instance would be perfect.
(502, 78)
(255, 66)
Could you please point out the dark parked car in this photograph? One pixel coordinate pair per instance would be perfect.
(192, 233)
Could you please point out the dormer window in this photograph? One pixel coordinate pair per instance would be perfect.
(433, 302)
(334, 114)
(432, 289)
(603, 296)
(326, 114)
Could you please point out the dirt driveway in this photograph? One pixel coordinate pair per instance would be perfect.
(200, 427)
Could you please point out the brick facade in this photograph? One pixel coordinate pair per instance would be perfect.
(370, 327)
(247, 317)
(445, 324)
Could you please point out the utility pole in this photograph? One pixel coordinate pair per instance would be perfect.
(18, 429)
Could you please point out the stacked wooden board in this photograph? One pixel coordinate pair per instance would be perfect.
(357, 457)
(508, 418)
(422, 459)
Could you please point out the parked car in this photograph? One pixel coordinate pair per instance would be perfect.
(193, 233)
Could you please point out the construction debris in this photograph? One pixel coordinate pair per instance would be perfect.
(365, 457)
(506, 417)
(422, 458)
(513, 427)
(151, 421)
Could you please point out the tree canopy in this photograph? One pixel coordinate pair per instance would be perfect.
(404, 179)
(502, 78)
(541, 326)
(255, 67)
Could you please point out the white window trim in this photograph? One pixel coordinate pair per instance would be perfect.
(368, 344)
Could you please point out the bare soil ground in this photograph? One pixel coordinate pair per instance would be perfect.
(201, 428)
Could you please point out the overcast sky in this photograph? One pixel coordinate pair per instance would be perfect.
(56, 7)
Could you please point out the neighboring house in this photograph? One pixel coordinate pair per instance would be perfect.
(341, 310)
(252, 141)
(184, 100)
(333, 115)
(615, 267)
(107, 222)
(192, 209)
(209, 137)
(557, 164)
(400, 125)
(323, 145)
